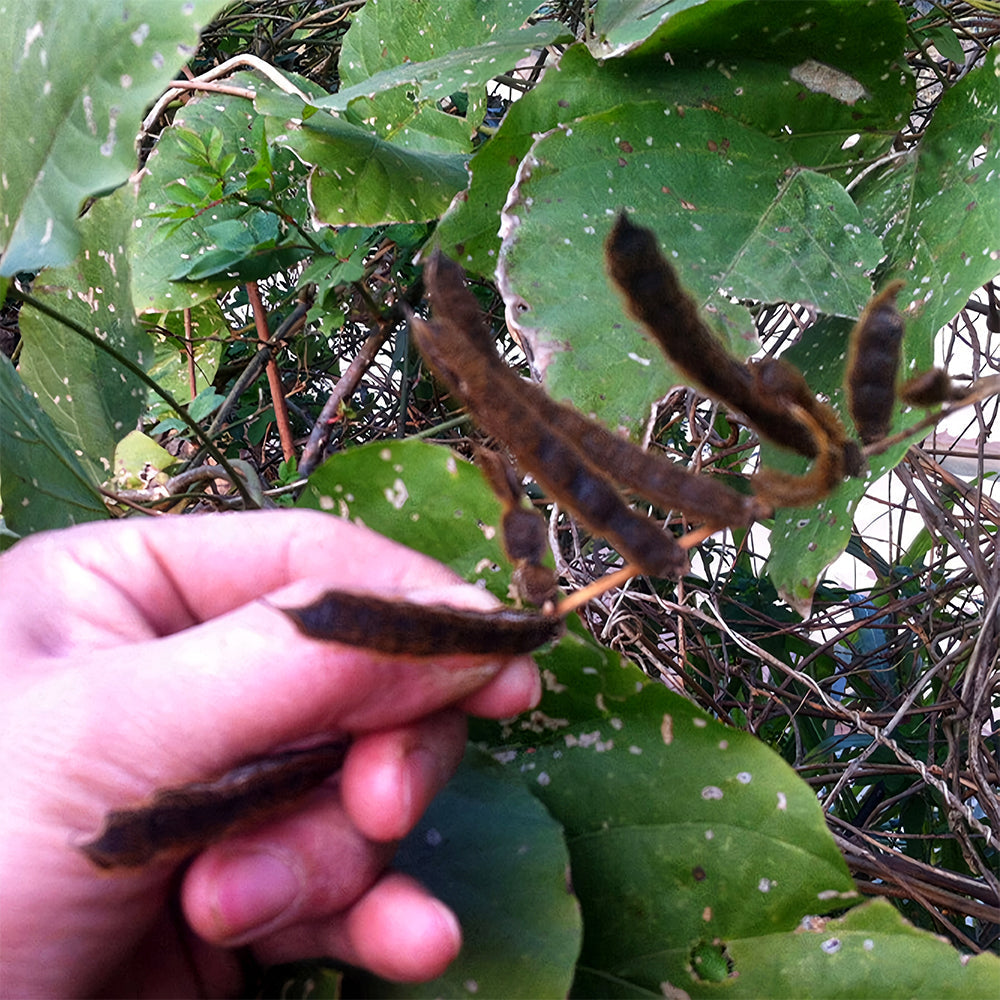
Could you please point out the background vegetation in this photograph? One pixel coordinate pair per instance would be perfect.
(725, 767)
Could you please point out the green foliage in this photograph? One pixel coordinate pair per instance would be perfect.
(520, 922)
(756, 139)
(69, 119)
(44, 485)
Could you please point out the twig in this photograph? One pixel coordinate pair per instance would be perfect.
(320, 434)
(179, 87)
(273, 375)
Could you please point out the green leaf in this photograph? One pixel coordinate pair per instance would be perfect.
(731, 211)
(221, 239)
(42, 485)
(422, 495)
(402, 104)
(871, 951)
(805, 540)
(357, 178)
(75, 82)
(681, 830)
(520, 921)
(938, 208)
(745, 60)
(621, 26)
(140, 461)
(93, 400)
(170, 366)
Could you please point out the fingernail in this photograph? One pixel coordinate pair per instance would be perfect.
(253, 890)
(449, 922)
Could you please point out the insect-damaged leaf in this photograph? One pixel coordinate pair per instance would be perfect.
(679, 829)
(75, 81)
(421, 495)
(93, 399)
(43, 485)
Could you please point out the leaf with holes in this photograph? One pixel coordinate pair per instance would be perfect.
(680, 829)
(730, 211)
(93, 399)
(402, 103)
(75, 81)
(827, 82)
(43, 485)
(422, 495)
(937, 208)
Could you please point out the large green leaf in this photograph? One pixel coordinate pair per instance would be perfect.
(938, 208)
(743, 59)
(93, 399)
(42, 483)
(830, 80)
(680, 831)
(402, 58)
(871, 951)
(75, 81)
(422, 495)
(731, 211)
(488, 849)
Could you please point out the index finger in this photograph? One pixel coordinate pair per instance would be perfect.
(103, 584)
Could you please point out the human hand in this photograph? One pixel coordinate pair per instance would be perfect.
(138, 656)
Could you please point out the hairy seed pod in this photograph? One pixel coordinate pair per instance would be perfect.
(930, 388)
(524, 418)
(669, 315)
(410, 629)
(180, 821)
(873, 362)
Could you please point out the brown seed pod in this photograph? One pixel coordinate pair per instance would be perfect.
(518, 413)
(522, 529)
(930, 388)
(406, 628)
(872, 363)
(183, 820)
(784, 489)
(656, 299)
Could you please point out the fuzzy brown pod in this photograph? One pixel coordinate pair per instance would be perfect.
(772, 394)
(522, 417)
(659, 480)
(411, 629)
(522, 530)
(873, 356)
(180, 821)
(574, 459)
(930, 388)
(177, 822)
(784, 489)
(669, 315)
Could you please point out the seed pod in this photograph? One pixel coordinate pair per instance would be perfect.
(183, 820)
(872, 363)
(669, 315)
(406, 628)
(929, 388)
(528, 423)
